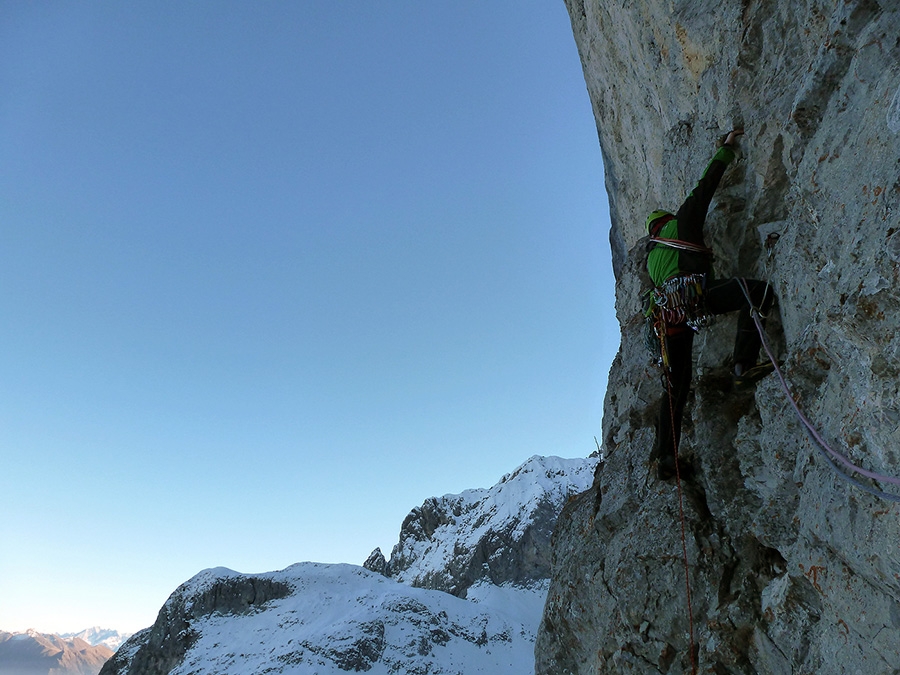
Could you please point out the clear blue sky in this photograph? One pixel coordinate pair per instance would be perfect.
(272, 274)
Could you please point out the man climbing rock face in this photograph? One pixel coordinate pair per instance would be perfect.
(686, 297)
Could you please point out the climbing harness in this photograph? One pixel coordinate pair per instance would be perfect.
(678, 305)
(815, 437)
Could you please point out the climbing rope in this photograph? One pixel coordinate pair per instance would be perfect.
(684, 553)
(818, 442)
(681, 245)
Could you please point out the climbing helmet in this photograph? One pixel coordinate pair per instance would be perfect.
(655, 216)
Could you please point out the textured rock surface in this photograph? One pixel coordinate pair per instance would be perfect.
(791, 569)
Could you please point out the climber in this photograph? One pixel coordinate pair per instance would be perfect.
(686, 297)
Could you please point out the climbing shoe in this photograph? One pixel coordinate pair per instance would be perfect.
(744, 379)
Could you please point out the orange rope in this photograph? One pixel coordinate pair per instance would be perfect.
(687, 575)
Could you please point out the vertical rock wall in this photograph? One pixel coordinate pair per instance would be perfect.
(790, 569)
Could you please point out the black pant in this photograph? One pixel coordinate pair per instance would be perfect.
(721, 297)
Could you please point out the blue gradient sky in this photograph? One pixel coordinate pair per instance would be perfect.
(273, 273)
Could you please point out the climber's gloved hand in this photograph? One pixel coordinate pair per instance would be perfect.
(732, 137)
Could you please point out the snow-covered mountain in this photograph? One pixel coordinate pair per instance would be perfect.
(501, 534)
(33, 653)
(99, 636)
(331, 619)
(462, 594)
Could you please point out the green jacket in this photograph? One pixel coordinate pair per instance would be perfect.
(665, 262)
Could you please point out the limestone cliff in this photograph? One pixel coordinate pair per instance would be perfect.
(790, 568)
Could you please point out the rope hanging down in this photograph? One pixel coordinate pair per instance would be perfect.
(684, 552)
(818, 442)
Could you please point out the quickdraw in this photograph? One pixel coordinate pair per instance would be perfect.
(681, 300)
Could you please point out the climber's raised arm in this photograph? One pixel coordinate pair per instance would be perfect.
(692, 214)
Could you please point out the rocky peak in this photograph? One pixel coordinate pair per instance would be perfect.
(99, 636)
(501, 534)
(376, 562)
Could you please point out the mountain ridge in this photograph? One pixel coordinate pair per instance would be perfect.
(451, 542)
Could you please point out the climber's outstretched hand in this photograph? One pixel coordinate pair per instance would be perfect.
(731, 138)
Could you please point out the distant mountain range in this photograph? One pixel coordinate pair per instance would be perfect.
(33, 653)
(99, 636)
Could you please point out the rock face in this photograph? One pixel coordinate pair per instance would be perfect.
(33, 653)
(790, 569)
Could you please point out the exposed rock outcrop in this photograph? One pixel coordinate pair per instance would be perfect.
(159, 649)
(791, 569)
